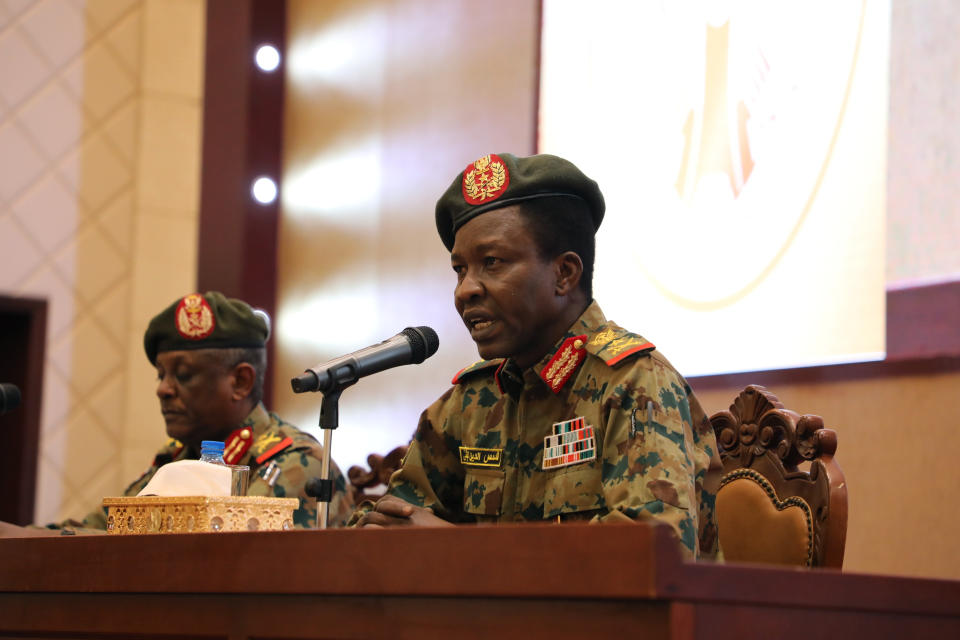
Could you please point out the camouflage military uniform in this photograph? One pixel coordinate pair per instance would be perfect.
(478, 452)
(275, 448)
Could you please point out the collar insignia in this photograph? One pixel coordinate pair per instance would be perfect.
(564, 362)
(485, 179)
(237, 445)
(194, 317)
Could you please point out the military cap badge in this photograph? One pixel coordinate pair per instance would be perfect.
(485, 179)
(495, 181)
(205, 321)
(194, 317)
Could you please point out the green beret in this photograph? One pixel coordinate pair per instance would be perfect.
(496, 181)
(207, 321)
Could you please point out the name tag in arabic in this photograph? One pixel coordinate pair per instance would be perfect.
(478, 457)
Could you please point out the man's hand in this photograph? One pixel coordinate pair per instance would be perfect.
(394, 512)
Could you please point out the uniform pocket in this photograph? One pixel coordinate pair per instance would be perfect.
(658, 467)
(571, 491)
(483, 491)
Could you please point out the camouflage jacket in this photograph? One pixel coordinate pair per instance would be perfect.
(281, 459)
(489, 449)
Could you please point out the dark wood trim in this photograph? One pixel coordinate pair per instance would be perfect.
(23, 339)
(923, 337)
(533, 580)
(398, 562)
(615, 561)
(132, 616)
(731, 582)
(242, 139)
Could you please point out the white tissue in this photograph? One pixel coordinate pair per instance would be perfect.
(189, 478)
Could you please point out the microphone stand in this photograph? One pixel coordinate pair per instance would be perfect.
(329, 418)
(337, 375)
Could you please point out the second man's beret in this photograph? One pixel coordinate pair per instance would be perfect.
(501, 180)
(205, 321)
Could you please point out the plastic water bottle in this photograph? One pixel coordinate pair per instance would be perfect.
(212, 451)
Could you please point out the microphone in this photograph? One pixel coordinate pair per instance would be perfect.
(9, 397)
(413, 345)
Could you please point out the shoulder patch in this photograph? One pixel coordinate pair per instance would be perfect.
(166, 455)
(613, 344)
(482, 365)
(169, 451)
(273, 448)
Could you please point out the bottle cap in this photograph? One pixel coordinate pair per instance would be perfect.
(211, 445)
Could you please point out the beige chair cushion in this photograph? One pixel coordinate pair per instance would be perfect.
(755, 525)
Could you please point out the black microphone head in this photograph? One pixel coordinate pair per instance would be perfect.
(306, 381)
(9, 397)
(423, 342)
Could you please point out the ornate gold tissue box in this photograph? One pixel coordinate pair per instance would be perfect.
(198, 514)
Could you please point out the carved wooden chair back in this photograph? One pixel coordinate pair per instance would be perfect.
(370, 484)
(768, 509)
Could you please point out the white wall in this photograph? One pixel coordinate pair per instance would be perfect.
(100, 112)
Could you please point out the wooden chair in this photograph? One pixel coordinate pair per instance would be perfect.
(370, 484)
(768, 509)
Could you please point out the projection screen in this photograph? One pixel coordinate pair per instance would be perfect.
(741, 148)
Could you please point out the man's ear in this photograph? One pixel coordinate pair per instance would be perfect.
(569, 269)
(244, 377)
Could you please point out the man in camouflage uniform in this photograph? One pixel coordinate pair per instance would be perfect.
(210, 356)
(569, 417)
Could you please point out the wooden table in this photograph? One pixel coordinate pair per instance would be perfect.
(528, 581)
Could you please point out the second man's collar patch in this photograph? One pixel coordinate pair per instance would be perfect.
(564, 362)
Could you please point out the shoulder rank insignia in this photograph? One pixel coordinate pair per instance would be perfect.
(237, 445)
(564, 362)
(480, 365)
(613, 345)
(270, 451)
(169, 452)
